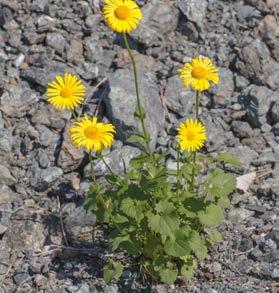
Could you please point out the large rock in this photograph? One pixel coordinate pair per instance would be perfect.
(17, 100)
(251, 61)
(42, 76)
(160, 19)
(224, 90)
(257, 101)
(194, 10)
(121, 104)
(6, 177)
(178, 98)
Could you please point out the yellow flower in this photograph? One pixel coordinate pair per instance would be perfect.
(91, 134)
(191, 135)
(198, 73)
(122, 15)
(65, 93)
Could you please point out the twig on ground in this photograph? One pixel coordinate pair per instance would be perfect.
(62, 223)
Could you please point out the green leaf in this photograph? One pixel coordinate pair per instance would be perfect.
(169, 273)
(140, 112)
(115, 241)
(178, 246)
(112, 270)
(197, 245)
(133, 209)
(165, 207)
(152, 246)
(136, 138)
(215, 236)
(228, 158)
(119, 219)
(164, 224)
(224, 202)
(220, 184)
(139, 161)
(187, 272)
(212, 216)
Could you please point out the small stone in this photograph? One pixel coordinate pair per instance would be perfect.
(84, 288)
(215, 267)
(6, 177)
(240, 82)
(3, 229)
(19, 60)
(39, 5)
(74, 51)
(275, 112)
(245, 244)
(242, 129)
(56, 41)
(46, 177)
(240, 214)
(88, 70)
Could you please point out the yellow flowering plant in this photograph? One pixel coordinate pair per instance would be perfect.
(166, 219)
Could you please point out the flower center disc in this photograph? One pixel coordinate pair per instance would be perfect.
(91, 132)
(65, 93)
(190, 135)
(122, 12)
(198, 72)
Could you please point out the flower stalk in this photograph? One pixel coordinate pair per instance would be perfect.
(139, 107)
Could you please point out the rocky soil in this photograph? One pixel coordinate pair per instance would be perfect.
(45, 235)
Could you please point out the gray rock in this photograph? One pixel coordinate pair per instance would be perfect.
(240, 214)
(275, 112)
(257, 100)
(271, 70)
(179, 99)
(160, 19)
(74, 51)
(242, 129)
(19, 60)
(3, 229)
(194, 10)
(6, 177)
(93, 50)
(274, 235)
(6, 15)
(43, 76)
(118, 159)
(244, 154)
(56, 41)
(224, 90)
(84, 288)
(45, 23)
(46, 177)
(79, 219)
(241, 82)
(88, 70)
(39, 5)
(121, 104)
(252, 59)
(17, 100)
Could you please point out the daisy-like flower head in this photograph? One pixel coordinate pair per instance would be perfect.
(92, 135)
(199, 73)
(191, 135)
(65, 93)
(122, 15)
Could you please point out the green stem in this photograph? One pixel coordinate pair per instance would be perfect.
(193, 173)
(92, 168)
(197, 104)
(177, 169)
(75, 115)
(194, 154)
(137, 94)
(106, 164)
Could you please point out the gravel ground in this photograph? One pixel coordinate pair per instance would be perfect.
(45, 235)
